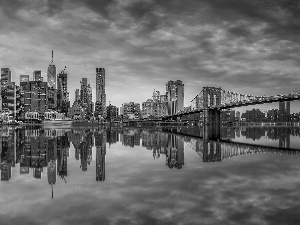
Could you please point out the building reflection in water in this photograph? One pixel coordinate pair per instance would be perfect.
(100, 142)
(51, 174)
(167, 144)
(38, 148)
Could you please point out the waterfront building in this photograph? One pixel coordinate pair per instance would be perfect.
(24, 78)
(100, 108)
(131, 110)
(112, 112)
(175, 96)
(77, 112)
(11, 101)
(37, 75)
(51, 74)
(63, 102)
(35, 96)
(155, 107)
(52, 98)
(5, 77)
(254, 115)
(227, 116)
(284, 111)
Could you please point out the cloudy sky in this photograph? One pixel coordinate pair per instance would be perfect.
(247, 46)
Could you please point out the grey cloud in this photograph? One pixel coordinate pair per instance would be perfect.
(9, 7)
(212, 42)
(99, 6)
(53, 7)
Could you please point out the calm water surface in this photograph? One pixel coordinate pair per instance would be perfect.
(92, 176)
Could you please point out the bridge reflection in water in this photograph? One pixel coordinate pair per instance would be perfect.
(213, 144)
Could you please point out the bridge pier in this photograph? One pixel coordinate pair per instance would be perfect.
(211, 124)
(211, 151)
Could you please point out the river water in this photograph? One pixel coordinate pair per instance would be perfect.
(248, 175)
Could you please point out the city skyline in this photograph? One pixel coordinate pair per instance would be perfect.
(249, 47)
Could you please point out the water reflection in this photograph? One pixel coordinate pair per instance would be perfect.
(135, 172)
(280, 134)
(41, 148)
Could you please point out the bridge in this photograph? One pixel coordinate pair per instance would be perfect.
(217, 98)
(207, 105)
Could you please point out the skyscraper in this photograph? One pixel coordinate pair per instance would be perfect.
(86, 96)
(100, 92)
(35, 96)
(83, 91)
(5, 77)
(284, 111)
(37, 75)
(90, 99)
(63, 102)
(175, 96)
(77, 95)
(24, 78)
(285, 107)
(51, 74)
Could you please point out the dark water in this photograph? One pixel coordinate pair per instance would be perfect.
(89, 176)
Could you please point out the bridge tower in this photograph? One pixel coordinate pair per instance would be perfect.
(211, 124)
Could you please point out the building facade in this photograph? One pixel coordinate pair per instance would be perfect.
(37, 75)
(5, 77)
(24, 78)
(63, 102)
(131, 110)
(155, 107)
(35, 96)
(11, 101)
(175, 96)
(100, 108)
(112, 112)
(77, 95)
(284, 111)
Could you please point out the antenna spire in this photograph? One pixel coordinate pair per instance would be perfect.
(52, 56)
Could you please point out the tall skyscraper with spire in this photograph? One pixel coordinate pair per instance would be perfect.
(100, 92)
(51, 74)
